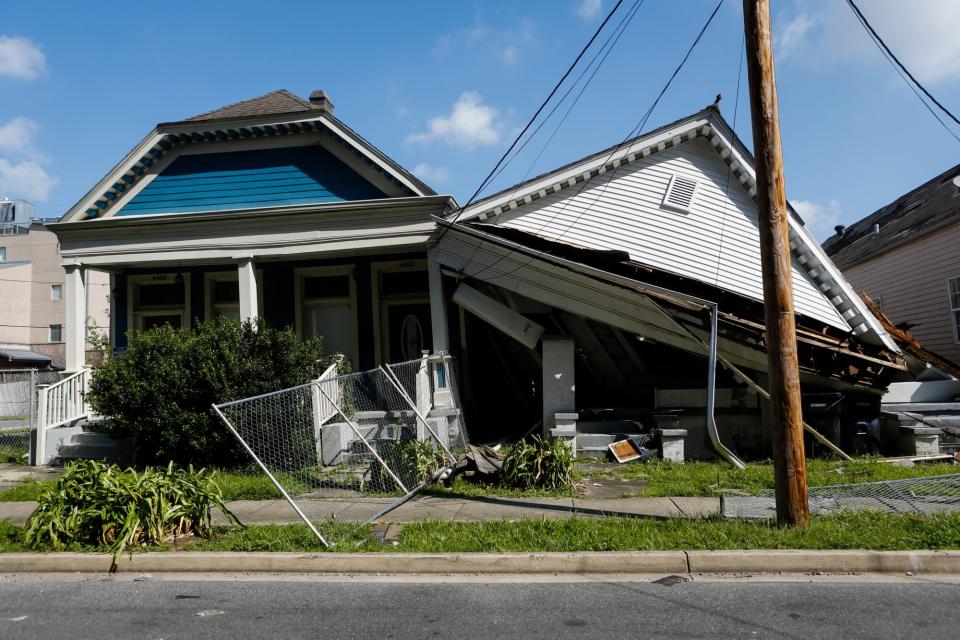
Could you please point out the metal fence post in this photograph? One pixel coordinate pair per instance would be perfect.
(40, 456)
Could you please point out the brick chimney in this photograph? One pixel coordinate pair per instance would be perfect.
(321, 99)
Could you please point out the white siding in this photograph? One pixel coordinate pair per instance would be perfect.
(717, 242)
(912, 281)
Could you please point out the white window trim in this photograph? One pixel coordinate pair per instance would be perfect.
(211, 277)
(56, 287)
(380, 304)
(50, 339)
(666, 204)
(156, 278)
(953, 310)
(332, 270)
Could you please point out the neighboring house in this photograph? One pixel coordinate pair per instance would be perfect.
(588, 289)
(906, 256)
(32, 307)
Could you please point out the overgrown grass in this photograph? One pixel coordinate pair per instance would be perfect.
(865, 530)
(665, 478)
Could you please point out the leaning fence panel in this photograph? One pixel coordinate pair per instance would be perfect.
(345, 446)
(928, 495)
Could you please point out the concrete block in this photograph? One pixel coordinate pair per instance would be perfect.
(672, 443)
(919, 440)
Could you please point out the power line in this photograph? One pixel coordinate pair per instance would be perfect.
(539, 110)
(611, 41)
(610, 174)
(902, 70)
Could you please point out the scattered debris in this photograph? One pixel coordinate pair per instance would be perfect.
(210, 612)
(669, 581)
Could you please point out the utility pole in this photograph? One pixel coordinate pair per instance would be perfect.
(790, 465)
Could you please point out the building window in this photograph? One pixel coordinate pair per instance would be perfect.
(158, 300)
(56, 333)
(327, 303)
(953, 285)
(223, 294)
(56, 292)
(3, 254)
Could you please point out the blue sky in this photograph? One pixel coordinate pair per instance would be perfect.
(443, 86)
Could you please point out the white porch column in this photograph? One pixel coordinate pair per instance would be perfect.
(247, 279)
(76, 317)
(559, 385)
(438, 306)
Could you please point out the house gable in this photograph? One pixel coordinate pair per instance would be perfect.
(249, 179)
(614, 199)
(276, 120)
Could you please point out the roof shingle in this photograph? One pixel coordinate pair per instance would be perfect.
(279, 101)
(929, 207)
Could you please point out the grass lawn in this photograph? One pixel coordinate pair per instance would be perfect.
(835, 531)
(661, 478)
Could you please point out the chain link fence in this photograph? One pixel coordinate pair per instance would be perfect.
(377, 433)
(18, 406)
(912, 495)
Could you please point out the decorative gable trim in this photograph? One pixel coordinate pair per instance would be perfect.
(711, 126)
(163, 140)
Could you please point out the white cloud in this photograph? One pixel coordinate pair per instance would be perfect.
(589, 10)
(509, 54)
(22, 173)
(504, 42)
(25, 179)
(430, 173)
(21, 58)
(922, 33)
(17, 136)
(819, 219)
(792, 33)
(470, 123)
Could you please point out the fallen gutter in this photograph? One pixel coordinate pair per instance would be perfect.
(727, 455)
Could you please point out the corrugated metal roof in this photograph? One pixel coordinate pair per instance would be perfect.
(25, 355)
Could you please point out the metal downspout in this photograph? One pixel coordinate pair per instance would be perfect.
(711, 391)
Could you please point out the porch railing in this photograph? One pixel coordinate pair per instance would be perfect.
(59, 404)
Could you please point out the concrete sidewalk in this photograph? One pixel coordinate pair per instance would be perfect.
(441, 508)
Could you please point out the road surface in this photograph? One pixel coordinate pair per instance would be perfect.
(491, 608)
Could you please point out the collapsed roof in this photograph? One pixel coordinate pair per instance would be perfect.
(665, 222)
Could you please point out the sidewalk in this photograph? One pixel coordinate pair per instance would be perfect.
(437, 508)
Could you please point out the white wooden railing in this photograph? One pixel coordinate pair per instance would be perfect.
(61, 403)
(324, 409)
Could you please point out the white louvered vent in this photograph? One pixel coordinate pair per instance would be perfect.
(680, 193)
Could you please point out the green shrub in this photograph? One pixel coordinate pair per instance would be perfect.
(98, 504)
(158, 392)
(541, 463)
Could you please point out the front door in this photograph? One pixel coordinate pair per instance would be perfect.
(408, 331)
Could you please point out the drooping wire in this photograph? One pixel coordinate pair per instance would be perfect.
(726, 188)
(610, 174)
(904, 73)
(539, 110)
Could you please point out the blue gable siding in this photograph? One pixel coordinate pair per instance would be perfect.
(244, 179)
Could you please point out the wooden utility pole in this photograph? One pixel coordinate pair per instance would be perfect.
(790, 465)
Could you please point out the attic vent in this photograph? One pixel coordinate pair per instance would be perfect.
(680, 193)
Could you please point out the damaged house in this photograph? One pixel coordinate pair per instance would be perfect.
(586, 301)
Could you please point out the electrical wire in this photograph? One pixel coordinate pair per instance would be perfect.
(908, 77)
(605, 50)
(726, 188)
(610, 174)
(539, 110)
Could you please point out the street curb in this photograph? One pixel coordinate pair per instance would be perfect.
(671, 562)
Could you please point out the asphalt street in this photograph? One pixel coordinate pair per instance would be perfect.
(274, 607)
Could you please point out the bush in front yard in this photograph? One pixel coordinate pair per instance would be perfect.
(158, 392)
